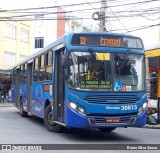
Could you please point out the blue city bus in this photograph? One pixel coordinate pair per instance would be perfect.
(84, 80)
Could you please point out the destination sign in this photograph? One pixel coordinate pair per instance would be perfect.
(106, 40)
(95, 84)
(96, 40)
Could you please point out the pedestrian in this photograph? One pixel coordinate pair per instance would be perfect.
(6, 98)
(133, 67)
(2, 98)
(134, 72)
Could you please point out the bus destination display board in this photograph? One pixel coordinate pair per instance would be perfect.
(96, 40)
(95, 84)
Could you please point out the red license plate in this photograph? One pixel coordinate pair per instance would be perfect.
(113, 120)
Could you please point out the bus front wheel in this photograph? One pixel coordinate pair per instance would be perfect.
(110, 129)
(52, 127)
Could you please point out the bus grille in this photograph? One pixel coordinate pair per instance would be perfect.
(111, 99)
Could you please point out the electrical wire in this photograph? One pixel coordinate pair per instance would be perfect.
(112, 15)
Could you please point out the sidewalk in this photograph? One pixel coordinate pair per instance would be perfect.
(9, 104)
(152, 126)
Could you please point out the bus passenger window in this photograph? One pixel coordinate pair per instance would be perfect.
(41, 68)
(49, 66)
(21, 73)
(49, 73)
(35, 70)
(41, 74)
(25, 74)
(35, 76)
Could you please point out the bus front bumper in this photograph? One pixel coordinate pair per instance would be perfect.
(77, 120)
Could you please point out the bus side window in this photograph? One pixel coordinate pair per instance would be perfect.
(35, 70)
(49, 65)
(25, 74)
(41, 68)
(21, 74)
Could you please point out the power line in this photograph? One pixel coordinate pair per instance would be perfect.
(138, 28)
(118, 19)
(113, 15)
(41, 8)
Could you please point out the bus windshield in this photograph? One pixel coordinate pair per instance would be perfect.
(106, 71)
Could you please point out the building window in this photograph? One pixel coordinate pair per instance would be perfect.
(39, 42)
(24, 35)
(10, 31)
(22, 57)
(9, 58)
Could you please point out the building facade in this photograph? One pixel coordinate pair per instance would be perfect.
(47, 31)
(15, 45)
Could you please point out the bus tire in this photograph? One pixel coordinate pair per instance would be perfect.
(110, 129)
(22, 112)
(52, 127)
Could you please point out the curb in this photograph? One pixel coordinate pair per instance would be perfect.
(152, 126)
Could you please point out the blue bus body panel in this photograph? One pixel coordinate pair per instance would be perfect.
(101, 112)
(38, 99)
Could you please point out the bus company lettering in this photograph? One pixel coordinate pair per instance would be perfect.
(113, 107)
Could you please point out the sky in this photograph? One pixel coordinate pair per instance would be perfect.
(149, 35)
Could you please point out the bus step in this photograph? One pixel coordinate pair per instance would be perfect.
(60, 123)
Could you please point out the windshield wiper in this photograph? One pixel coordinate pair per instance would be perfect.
(121, 65)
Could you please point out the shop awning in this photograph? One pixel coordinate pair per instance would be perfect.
(153, 51)
(5, 72)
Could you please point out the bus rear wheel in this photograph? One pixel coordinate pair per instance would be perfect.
(52, 127)
(110, 129)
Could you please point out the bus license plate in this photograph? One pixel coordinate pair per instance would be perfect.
(113, 120)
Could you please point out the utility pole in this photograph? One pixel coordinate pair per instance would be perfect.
(102, 16)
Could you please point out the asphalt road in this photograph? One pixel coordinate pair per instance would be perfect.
(15, 129)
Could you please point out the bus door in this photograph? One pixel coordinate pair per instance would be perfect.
(58, 87)
(29, 84)
(17, 78)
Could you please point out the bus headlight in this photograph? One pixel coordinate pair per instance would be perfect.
(80, 110)
(77, 108)
(142, 108)
(73, 105)
(144, 105)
